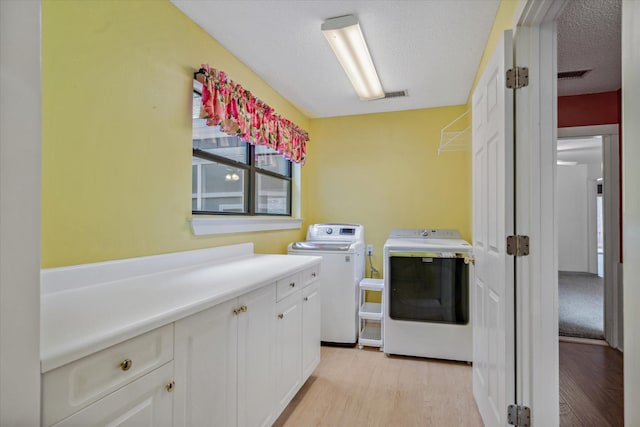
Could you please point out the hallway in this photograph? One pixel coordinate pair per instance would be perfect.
(591, 385)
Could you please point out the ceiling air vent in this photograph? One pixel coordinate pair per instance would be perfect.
(397, 94)
(577, 74)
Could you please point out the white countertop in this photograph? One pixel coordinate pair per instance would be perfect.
(81, 320)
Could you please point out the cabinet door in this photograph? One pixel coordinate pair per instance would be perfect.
(256, 332)
(146, 402)
(310, 329)
(205, 368)
(288, 348)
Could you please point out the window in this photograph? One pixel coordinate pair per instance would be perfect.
(231, 176)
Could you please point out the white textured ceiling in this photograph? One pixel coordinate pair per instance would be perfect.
(589, 39)
(431, 48)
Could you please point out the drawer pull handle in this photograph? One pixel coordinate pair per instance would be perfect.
(292, 284)
(126, 364)
(171, 386)
(310, 297)
(281, 316)
(313, 274)
(239, 310)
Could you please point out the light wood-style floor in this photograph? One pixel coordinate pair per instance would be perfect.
(354, 387)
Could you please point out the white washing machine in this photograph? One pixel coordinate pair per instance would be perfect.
(341, 247)
(427, 296)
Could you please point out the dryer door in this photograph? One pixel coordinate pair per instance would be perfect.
(427, 288)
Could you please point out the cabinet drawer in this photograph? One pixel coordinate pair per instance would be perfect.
(145, 402)
(310, 275)
(288, 285)
(74, 386)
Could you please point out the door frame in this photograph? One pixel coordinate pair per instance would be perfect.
(613, 322)
(536, 275)
(20, 217)
(631, 211)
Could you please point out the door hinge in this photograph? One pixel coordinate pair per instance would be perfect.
(519, 416)
(517, 77)
(518, 245)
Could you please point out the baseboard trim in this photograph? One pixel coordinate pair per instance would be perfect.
(583, 341)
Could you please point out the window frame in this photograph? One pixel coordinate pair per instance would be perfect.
(250, 188)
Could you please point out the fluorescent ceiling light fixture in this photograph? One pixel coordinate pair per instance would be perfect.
(564, 163)
(345, 37)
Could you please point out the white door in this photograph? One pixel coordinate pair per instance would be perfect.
(493, 213)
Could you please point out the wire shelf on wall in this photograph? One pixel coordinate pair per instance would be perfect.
(455, 136)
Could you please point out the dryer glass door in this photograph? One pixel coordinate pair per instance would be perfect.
(428, 288)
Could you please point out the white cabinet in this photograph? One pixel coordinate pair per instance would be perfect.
(146, 402)
(205, 362)
(219, 354)
(310, 329)
(297, 333)
(256, 332)
(223, 363)
(288, 349)
(89, 384)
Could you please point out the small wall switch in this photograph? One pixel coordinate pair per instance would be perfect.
(369, 249)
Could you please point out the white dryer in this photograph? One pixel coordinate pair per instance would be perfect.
(427, 298)
(342, 248)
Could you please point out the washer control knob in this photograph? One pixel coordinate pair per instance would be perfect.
(329, 230)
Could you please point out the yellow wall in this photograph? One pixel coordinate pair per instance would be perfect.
(502, 22)
(117, 80)
(383, 171)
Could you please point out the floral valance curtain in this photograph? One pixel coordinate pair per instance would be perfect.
(237, 112)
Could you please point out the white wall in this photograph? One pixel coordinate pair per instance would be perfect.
(20, 129)
(631, 207)
(594, 172)
(573, 224)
